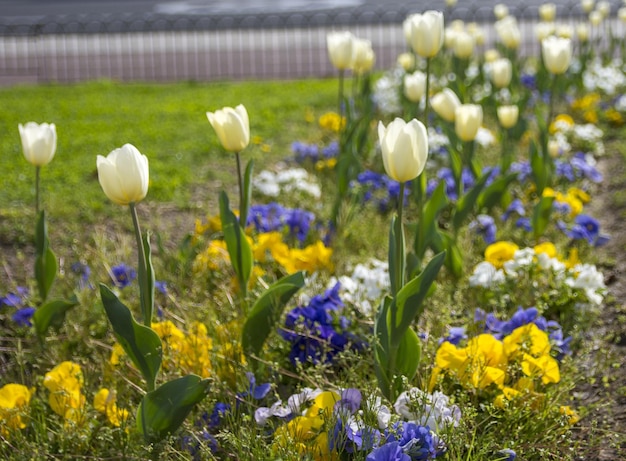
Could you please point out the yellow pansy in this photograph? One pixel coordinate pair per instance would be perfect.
(572, 415)
(65, 383)
(14, 400)
(332, 121)
(545, 367)
(529, 339)
(104, 402)
(500, 252)
(547, 248)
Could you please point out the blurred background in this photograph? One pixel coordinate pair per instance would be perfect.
(203, 40)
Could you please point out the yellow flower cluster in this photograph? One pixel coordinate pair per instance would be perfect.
(575, 198)
(587, 106)
(186, 352)
(500, 252)
(14, 400)
(513, 366)
(332, 121)
(104, 402)
(65, 382)
(312, 258)
(306, 433)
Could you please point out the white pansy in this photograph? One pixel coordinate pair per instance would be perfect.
(433, 410)
(486, 275)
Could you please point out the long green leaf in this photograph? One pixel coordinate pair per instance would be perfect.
(148, 298)
(163, 410)
(467, 202)
(52, 314)
(45, 261)
(493, 193)
(409, 354)
(541, 216)
(238, 247)
(247, 194)
(266, 310)
(382, 346)
(409, 300)
(427, 225)
(140, 343)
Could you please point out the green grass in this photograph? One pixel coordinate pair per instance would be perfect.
(165, 122)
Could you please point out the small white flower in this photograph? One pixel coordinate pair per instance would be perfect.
(486, 275)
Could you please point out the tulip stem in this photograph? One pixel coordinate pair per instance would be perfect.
(400, 263)
(552, 98)
(427, 94)
(506, 154)
(340, 95)
(37, 176)
(241, 192)
(142, 271)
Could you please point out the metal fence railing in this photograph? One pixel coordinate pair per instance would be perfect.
(202, 48)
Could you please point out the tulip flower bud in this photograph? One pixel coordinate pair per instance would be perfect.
(39, 142)
(587, 5)
(404, 148)
(477, 32)
(232, 127)
(463, 45)
(415, 86)
(427, 33)
(449, 37)
(491, 55)
(362, 56)
(544, 30)
(604, 8)
(547, 12)
(500, 11)
(468, 119)
(451, 3)
(406, 61)
(340, 49)
(564, 31)
(557, 54)
(123, 175)
(582, 32)
(501, 72)
(508, 32)
(595, 18)
(508, 115)
(445, 103)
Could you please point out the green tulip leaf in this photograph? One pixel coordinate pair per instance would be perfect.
(238, 247)
(382, 347)
(397, 255)
(45, 261)
(409, 354)
(541, 216)
(146, 283)
(52, 314)
(266, 310)
(454, 256)
(427, 226)
(163, 410)
(492, 194)
(140, 342)
(465, 205)
(409, 300)
(247, 194)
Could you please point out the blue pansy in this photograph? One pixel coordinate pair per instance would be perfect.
(484, 226)
(22, 316)
(516, 206)
(122, 275)
(388, 452)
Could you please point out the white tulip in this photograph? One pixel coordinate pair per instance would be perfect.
(232, 127)
(557, 54)
(427, 33)
(508, 115)
(508, 32)
(468, 119)
(39, 142)
(404, 148)
(362, 56)
(340, 49)
(124, 175)
(445, 103)
(547, 12)
(501, 72)
(415, 86)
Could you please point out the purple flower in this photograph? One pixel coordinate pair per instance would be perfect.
(389, 452)
(516, 206)
(84, 271)
(161, 286)
(11, 299)
(455, 335)
(274, 217)
(506, 455)
(485, 226)
(584, 169)
(524, 223)
(416, 441)
(122, 275)
(585, 228)
(257, 392)
(523, 170)
(317, 332)
(22, 316)
(564, 170)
